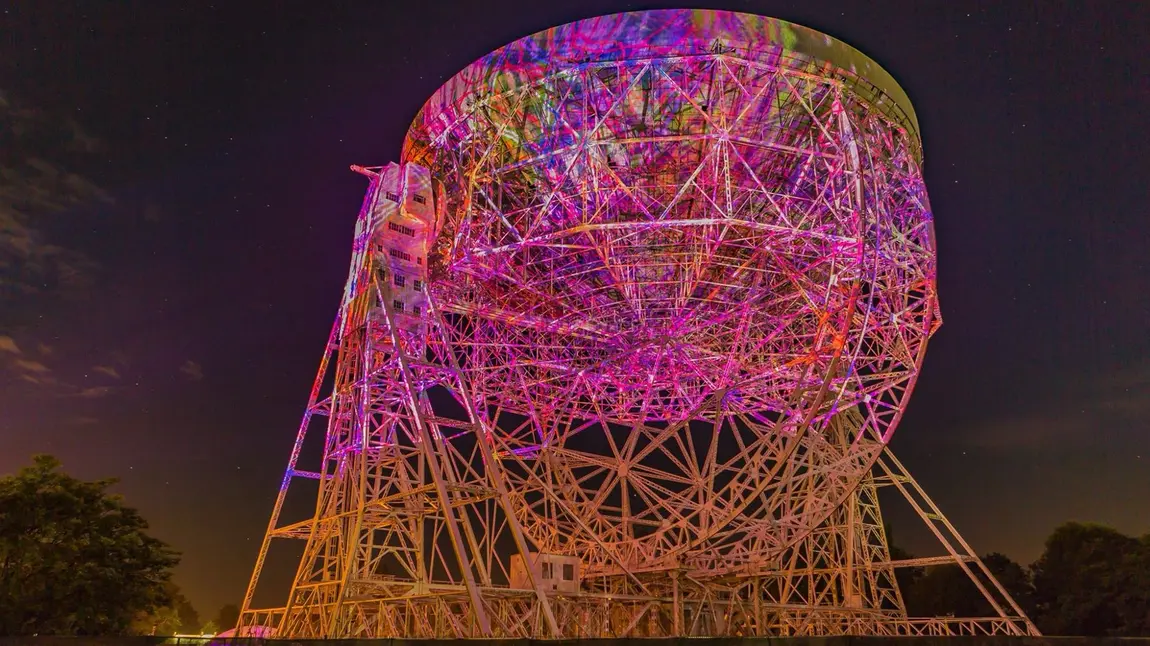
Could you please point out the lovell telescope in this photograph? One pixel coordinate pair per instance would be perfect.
(626, 333)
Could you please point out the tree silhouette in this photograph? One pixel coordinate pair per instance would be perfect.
(74, 560)
(1015, 578)
(1086, 582)
(1091, 580)
(1133, 583)
(176, 617)
(947, 590)
(161, 621)
(228, 616)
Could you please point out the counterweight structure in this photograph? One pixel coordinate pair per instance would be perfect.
(624, 340)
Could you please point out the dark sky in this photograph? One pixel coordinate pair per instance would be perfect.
(176, 211)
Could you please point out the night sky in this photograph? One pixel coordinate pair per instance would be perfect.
(176, 212)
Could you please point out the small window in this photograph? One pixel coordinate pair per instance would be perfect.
(546, 574)
(400, 280)
(407, 231)
(398, 305)
(417, 310)
(568, 571)
(394, 197)
(419, 199)
(418, 284)
(418, 259)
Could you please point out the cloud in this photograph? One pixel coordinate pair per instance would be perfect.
(44, 349)
(27, 365)
(8, 344)
(94, 392)
(40, 379)
(192, 370)
(82, 420)
(34, 372)
(107, 370)
(1096, 411)
(1028, 431)
(39, 193)
(39, 374)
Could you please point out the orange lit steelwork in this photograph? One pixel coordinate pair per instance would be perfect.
(624, 340)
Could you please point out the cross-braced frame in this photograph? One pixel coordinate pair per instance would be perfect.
(677, 292)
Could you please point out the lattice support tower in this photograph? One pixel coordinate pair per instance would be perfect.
(625, 336)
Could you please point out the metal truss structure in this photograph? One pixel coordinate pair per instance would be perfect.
(623, 343)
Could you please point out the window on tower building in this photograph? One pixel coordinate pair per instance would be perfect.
(405, 230)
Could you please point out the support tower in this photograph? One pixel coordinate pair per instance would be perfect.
(625, 337)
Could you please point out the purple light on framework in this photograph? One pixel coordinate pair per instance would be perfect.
(667, 218)
(679, 283)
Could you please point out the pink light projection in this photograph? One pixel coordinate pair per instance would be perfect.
(623, 341)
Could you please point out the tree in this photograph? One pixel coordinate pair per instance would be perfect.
(1014, 578)
(161, 621)
(1079, 581)
(176, 617)
(74, 560)
(942, 590)
(947, 589)
(905, 577)
(228, 616)
(189, 618)
(1090, 580)
(1134, 592)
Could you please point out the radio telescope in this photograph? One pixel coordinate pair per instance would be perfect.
(625, 336)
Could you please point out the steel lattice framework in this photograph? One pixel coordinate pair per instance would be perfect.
(623, 342)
